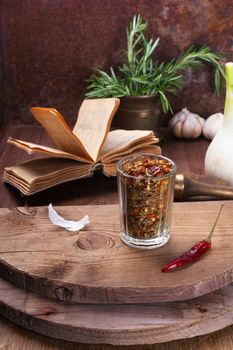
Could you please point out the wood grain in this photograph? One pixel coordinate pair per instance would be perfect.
(94, 266)
(14, 337)
(189, 157)
(117, 324)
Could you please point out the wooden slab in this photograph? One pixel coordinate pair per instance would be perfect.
(94, 266)
(117, 324)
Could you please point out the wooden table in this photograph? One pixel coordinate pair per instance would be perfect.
(189, 157)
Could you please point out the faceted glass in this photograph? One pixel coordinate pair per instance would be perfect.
(146, 192)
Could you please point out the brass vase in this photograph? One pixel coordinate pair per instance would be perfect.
(138, 112)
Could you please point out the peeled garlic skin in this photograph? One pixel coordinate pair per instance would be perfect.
(212, 125)
(219, 156)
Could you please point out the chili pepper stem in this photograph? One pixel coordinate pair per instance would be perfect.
(208, 239)
(193, 253)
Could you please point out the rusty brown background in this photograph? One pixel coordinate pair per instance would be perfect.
(48, 48)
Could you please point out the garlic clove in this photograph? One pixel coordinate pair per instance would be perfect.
(185, 124)
(188, 131)
(177, 118)
(177, 129)
(212, 125)
(188, 128)
(197, 126)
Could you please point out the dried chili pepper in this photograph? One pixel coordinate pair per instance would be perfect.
(147, 196)
(194, 253)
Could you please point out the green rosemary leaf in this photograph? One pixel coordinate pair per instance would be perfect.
(164, 101)
(218, 82)
(141, 75)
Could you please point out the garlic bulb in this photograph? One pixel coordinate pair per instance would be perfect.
(212, 125)
(219, 159)
(185, 124)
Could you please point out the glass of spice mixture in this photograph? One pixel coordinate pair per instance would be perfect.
(146, 191)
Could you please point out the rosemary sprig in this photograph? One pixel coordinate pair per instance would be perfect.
(141, 75)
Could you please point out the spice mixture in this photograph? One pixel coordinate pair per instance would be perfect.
(147, 197)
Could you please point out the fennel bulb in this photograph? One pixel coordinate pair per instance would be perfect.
(219, 155)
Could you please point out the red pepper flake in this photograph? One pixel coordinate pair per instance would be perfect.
(194, 253)
(147, 196)
(148, 167)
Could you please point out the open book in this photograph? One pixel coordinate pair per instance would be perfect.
(89, 146)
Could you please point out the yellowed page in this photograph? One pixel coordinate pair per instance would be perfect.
(40, 174)
(30, 148)
(59, 131)
(143, 147)
(93, 123)
(120, 140)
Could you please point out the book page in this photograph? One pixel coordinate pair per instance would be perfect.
(93, 123)
(120, 140)
(39, 174)
(59, 131)
(30, 148)
(143, 147)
